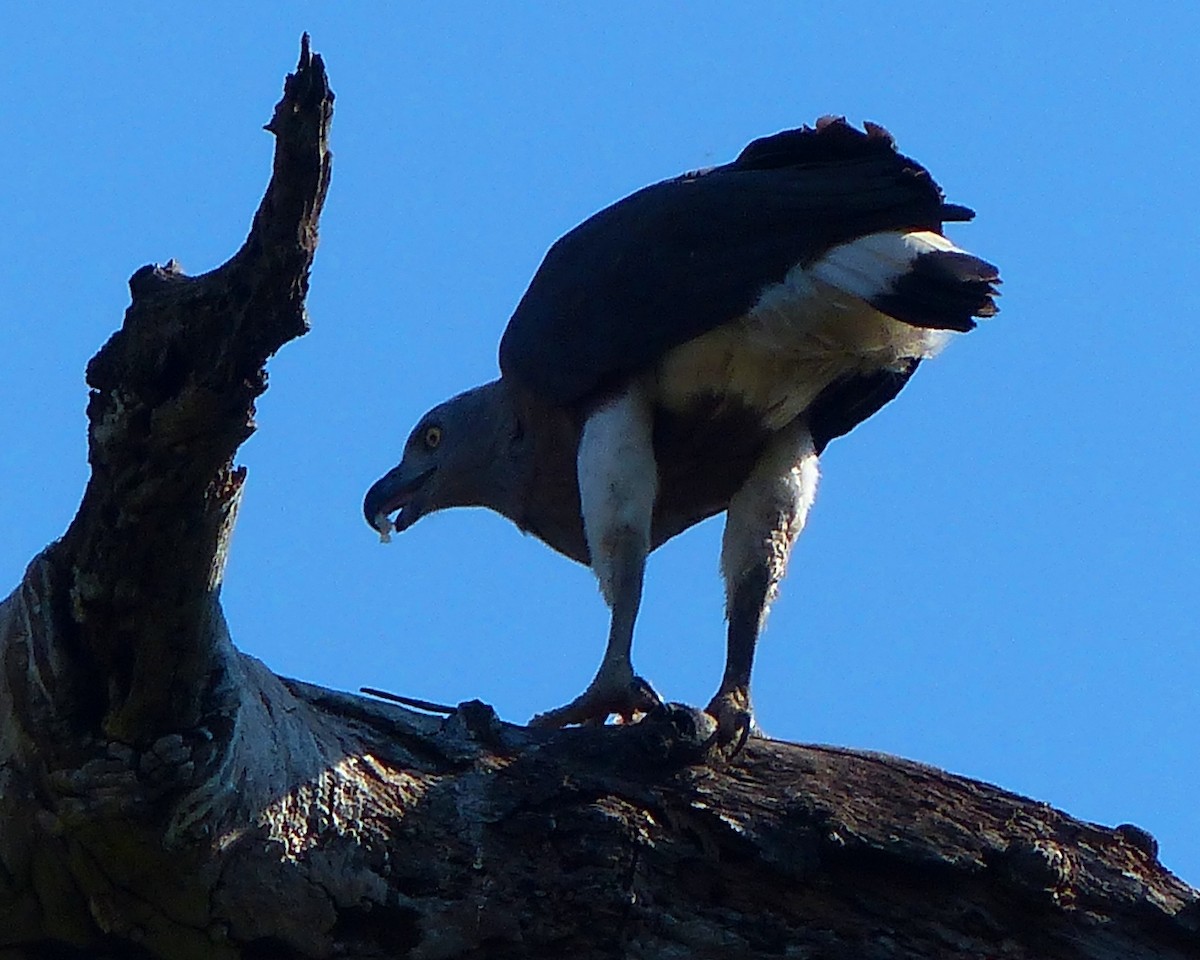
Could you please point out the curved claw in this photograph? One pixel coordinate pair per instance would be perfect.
(735, 722)
(601, 700)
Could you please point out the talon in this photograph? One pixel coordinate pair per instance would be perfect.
(603, 698)
(645, 697)
(735, 722)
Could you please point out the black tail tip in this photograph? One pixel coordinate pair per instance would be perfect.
(943, 290)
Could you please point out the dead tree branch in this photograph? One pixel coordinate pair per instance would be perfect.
(162, 795)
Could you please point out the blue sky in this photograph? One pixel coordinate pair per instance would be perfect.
(1000, 574)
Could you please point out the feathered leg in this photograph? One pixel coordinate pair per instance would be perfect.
(618, 482)
(765, 517)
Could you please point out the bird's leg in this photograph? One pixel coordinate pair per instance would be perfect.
(746, 612)
(618, 481)
(765, 517)
(615, 689)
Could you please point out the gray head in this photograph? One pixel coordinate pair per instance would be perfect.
(464, 452)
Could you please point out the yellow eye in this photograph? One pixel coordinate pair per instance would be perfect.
(432, 437)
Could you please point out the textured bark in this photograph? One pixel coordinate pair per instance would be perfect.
(162, 795)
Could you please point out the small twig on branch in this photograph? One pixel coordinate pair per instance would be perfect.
(427, 705)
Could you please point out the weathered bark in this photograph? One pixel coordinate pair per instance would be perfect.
(162, 795)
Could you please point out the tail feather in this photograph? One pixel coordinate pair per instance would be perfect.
(919, 278)
(942, 291)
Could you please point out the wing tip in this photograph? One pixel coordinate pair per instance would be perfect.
(833, 139)
(956, 213)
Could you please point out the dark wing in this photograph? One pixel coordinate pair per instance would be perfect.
(679, 258)
(847, 402)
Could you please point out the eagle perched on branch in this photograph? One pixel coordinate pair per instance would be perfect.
(692, 349)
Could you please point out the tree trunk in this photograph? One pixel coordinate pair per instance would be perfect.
(163, 795)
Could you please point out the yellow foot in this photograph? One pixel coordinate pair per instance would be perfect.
(605, 696)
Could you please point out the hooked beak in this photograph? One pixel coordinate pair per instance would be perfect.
(398, 489)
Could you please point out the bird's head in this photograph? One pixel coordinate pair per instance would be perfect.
(463, 452)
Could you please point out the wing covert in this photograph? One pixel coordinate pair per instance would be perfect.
(676, 259)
